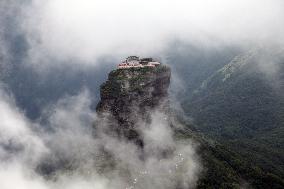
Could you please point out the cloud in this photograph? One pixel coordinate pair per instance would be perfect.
(86, 30)
(18, 177)
(77, 159)
(16, 135)
(20, 148)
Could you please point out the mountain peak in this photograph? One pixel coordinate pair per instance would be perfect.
(130, 95)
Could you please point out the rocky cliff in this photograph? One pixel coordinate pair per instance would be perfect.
(129, 96)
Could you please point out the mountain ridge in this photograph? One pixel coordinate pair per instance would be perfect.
(241, 106)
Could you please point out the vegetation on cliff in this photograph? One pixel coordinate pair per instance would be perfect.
(130, 95)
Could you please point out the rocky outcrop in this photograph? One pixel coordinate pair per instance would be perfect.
(129, 96)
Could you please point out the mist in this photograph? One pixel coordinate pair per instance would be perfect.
(88, 30)
(69, 146)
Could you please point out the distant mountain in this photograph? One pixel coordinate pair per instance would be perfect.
(241, 105)
(191, 65)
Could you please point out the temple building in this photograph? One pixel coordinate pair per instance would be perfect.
(136, 62)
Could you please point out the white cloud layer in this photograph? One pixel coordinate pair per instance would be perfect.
(24, 149)
(88, 29)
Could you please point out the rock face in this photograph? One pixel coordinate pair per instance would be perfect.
(130, 95)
